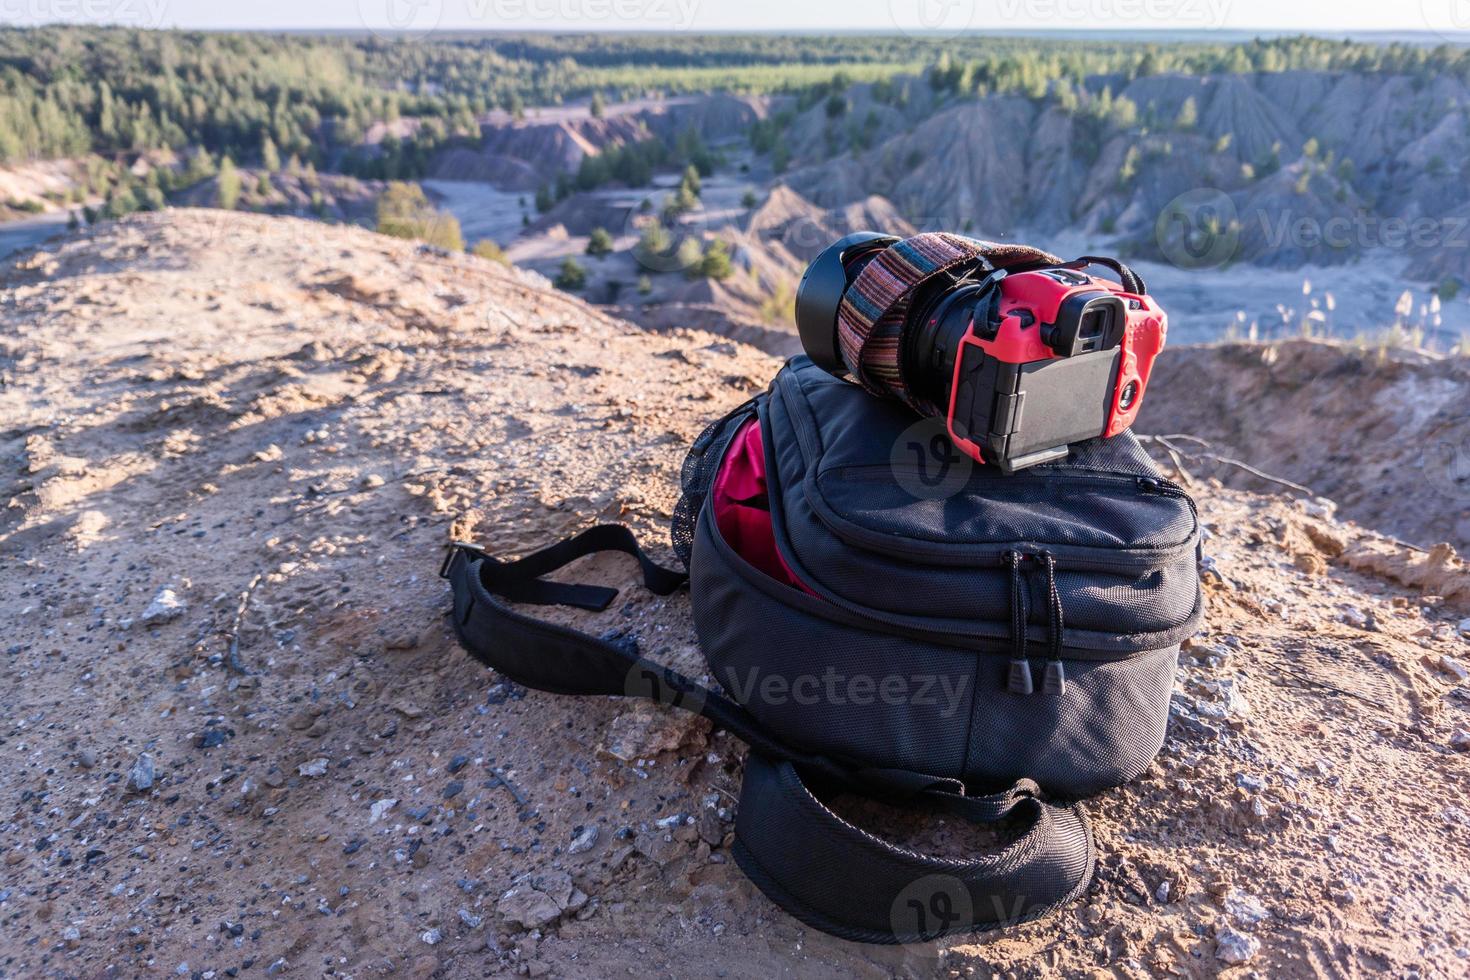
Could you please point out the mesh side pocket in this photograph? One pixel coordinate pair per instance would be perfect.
(698, 474)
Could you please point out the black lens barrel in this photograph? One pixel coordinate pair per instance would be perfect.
(820, 294)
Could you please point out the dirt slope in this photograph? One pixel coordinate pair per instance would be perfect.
(1384, 432)
(232, 449)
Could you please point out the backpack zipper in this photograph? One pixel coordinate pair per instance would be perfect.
(1018, 671)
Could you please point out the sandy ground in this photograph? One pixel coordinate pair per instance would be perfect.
(239, 739)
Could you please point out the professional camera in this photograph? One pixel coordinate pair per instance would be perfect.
(1018, 351)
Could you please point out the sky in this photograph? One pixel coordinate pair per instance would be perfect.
(939, 17)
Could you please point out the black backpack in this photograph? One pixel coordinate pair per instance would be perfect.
(936, 631)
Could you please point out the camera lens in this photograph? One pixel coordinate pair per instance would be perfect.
(820, 294)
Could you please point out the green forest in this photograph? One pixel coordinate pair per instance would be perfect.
(67, 92)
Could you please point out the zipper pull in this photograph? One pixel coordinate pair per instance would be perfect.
(1018, 680)
(1055, 681)
(1018, 675)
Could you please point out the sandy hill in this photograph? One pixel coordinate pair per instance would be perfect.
(239, 738)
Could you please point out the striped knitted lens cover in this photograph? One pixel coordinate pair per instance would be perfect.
(870, 319)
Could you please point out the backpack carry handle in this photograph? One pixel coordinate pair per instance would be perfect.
(825, 871)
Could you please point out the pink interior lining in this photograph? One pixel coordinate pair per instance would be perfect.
(742, 507)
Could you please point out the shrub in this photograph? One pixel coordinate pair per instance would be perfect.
(1188, 116)
(486, 248)
(405, 212)
(572, 276)
(227, 190)
(716, 261)
(689, 256)
(654, 242)
(599, 243)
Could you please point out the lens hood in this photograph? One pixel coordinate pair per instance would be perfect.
(820, 294)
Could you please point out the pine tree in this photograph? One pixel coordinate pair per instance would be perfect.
(228, 184)
(599, 243)
(1188, 116)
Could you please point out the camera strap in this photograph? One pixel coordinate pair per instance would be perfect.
(870, 318)
(822, 869)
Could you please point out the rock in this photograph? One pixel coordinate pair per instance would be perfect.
(1251, 784)
(1245, 908)
(1161, 893)
(584, 841)
(1464, 628)
(1236, 706)
(470, 919)
(458, 763)
(313, 767)
(1209, 568)
(165, 607)
(1311, 564)
(534, 901)
(432, 936)
(642, 732)
(1321, 508)
(140, 777)
(711, 828)
(213, 738)
(1460, 741)
(660, 848)
(86, 758)
(1233, 946)
(453, 789)
(1327, 539)
(1454, 668)
(524, 907)
(380, 809)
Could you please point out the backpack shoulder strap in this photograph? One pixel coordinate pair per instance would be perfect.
(825, 871)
